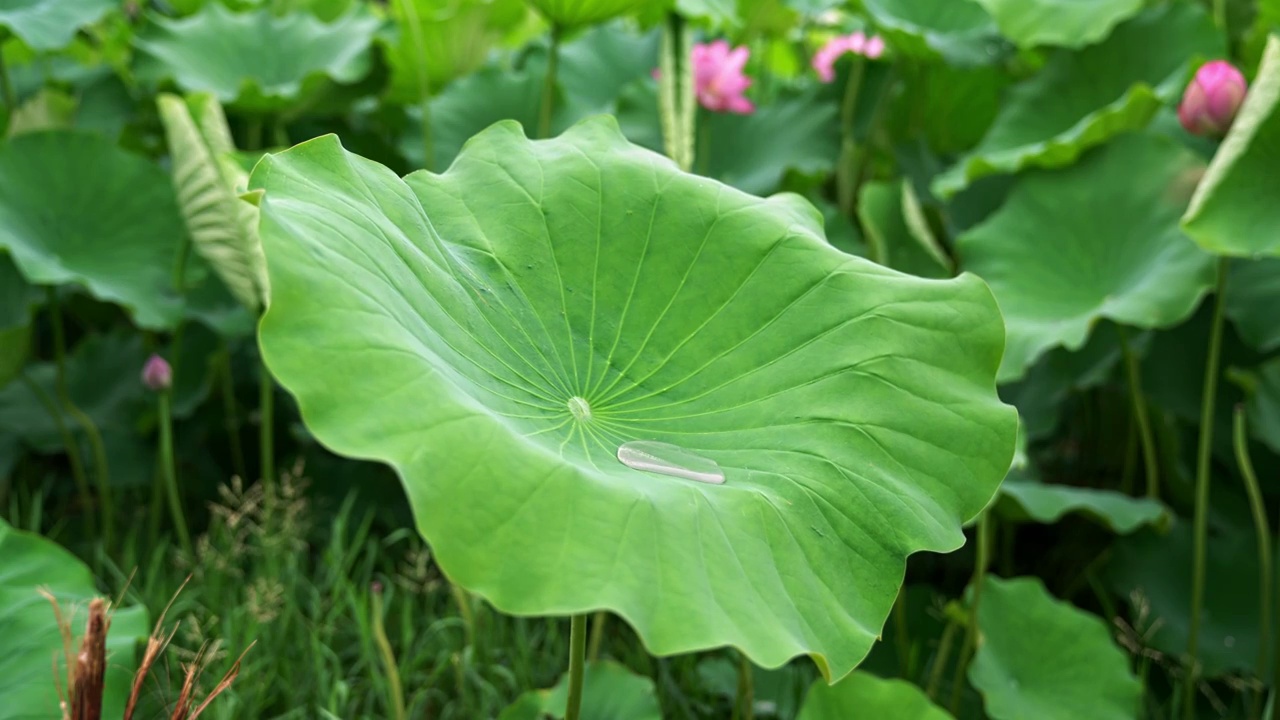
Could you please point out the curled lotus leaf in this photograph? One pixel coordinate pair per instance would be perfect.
(503, 333)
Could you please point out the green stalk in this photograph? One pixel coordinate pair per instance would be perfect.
(744, 705)
(69, 442)
(598, 625)
(983, 532)
(846, 170)
(410, 13)
(1201, 523)
(266, 438)
(940, 660)
(549, 84)
(102, 473)
(229, 409)
(677, 102)
(169, 469)
(1240, 441)
(1139, 401)
(389, 666)
(577, 655)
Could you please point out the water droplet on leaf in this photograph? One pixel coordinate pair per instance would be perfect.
(580, 408)
(667, 459)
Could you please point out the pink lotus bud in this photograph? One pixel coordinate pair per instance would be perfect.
(1212, 99)
(156, 374)
(719, 79)
(824, 61)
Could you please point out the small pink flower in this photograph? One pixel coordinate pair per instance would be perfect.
(1212, 99)
(824, 61)
(156, 374)
(718, 77)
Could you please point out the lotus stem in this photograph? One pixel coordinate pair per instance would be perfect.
(1137, 397)
(1201, 522)
(940, 660)
(266, 438)
(577, 656)
(395, 689)
(102, 473)
(744, 703)
(1240, 441)
(68, 441)
(169, 469)
(230, 410)
(598, 625)
(410, 12)
(677, 106)
(846, 170)
(549, 84)
(983, 532)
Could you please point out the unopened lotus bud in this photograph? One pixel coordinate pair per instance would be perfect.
(1212, 99)
(156, 374)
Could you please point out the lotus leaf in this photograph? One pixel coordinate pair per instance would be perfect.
(1253, 293)
(50, 24)
(610, 692)
(958, 31)
(1264, 406)
(865, 695)
(577, 13)
(1234, 211)
(75, 208)
(1046, 659)
(1097, 240)
(17, 301)
(207, 181)
(1023, 500)
(1030, 23)
(436, 42)
(257, 61)
(34, 646)
(1084, 98)
(893, 221)
(499, 332)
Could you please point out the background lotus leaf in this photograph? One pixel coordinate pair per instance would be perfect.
(864, 694)
(575, 13)
(1043, 658)
(29, 562)
(50, 24)
(1030, 23)
(74, 208)
(958, 31)
(593, 295)
(1233, 211)
(258, 61)
(1083, 98)
(610, 692)
(1059, 258)
(1022, 500)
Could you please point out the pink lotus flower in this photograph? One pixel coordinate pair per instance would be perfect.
(1212, 99)
(156, 374)
(718, 77)
(824, 61)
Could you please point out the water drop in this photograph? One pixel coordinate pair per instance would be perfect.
(580, 408)
(667, 459)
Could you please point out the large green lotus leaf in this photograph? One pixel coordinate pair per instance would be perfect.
(1024, 500)
(74, 208)
(1084, 98)
(1234, 211)
(501, 330)
(435, 42)
(960, 32)
(257, 61)
(1264, 406)
(33, 642)
(1096, 240)
(223, 228)
(576, 13)
(609, 692)
(865, 695)
(894, 225)
(1152, 572)
(1043, 658)
(50, 24)
(1031, 23)
(1253, 293)
(102, 378)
